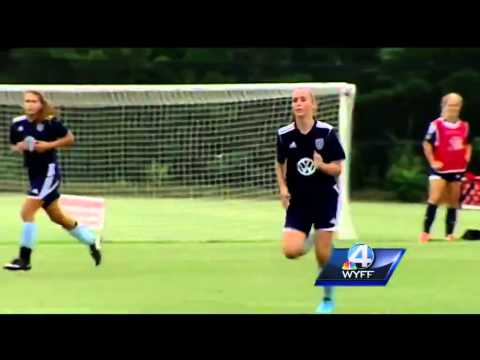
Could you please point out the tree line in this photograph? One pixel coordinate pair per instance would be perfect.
(399, 89)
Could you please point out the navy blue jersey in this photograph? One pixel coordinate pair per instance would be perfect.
(47, 130)
(303, 180)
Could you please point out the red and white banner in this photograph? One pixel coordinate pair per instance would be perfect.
(89, 211)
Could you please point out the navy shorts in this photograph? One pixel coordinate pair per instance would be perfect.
(322, 214)
(45, 186)
(449, 177)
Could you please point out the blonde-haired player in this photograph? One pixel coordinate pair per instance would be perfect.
(309, 161)
(447, 147)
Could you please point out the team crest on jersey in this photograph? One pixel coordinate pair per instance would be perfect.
(20, 128)
(306, 167)
(40, 127)
(319, 144)
(456, 143)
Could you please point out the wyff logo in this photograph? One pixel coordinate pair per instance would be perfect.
(360, 266)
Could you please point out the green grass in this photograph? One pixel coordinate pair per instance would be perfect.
(210, 256)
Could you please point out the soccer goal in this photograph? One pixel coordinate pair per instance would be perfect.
(181, 141)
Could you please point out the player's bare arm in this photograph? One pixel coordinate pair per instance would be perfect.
(62, 143)
(280, 170)
(428, 151)
(333, 168)
(19, 147)
(468, 153)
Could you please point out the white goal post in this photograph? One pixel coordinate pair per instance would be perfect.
(177, 140)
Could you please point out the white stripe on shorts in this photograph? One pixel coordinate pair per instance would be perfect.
(334, 228)
(338, 188)
(47, 187)
(291, 229)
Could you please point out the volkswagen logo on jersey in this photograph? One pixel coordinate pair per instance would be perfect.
(306, 167)
(40, 127)
(319, 144)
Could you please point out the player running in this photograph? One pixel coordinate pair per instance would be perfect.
(448, 152)
(309, 161)
(37, 135)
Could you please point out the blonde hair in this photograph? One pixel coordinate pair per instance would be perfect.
(314, 105)
(448, 96)
(48, 110)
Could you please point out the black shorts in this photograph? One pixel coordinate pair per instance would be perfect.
(45, 186)
(449, 177)
(322, 214)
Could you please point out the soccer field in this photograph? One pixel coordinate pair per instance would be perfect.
(213, 256)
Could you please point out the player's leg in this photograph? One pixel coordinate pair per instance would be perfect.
(453, 203)
(323, 246)
(435, 192)
(323, 251)
(293, 243)
(295, 231)
(325, 226)
(57, 216)
(29, 234)
(41, 186)
(78, 231)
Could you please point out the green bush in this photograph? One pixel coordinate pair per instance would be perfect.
(406, 177)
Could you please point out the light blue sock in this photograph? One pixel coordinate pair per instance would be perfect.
(29, 235)
(83, 234)
(328, 291)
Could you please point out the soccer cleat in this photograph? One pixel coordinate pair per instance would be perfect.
(451, 237)
(326, 306)
(17, 264)
(95, 251)
(424, 238)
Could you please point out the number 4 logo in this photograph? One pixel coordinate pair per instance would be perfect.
(362, 255)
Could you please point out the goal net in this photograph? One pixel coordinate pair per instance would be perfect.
(182, 141)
